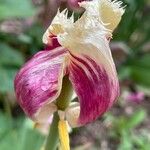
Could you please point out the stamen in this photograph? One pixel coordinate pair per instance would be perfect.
(63, 135)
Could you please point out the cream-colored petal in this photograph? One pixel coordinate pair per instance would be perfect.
(109, 12)
(72, 114)
(59, 25)
(45, 114)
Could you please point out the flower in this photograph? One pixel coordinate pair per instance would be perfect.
(79, 50)
(136, 97)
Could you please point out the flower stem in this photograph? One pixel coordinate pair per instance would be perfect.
(62, 103)
(65, 96)
(52, 139)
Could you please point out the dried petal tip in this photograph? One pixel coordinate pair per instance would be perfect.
(59, 25)
(108, 12)
(111, 13)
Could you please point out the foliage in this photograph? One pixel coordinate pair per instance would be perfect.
(123, 129)
(10, 61)
(16, 8)
(134, 31)
(18, 134)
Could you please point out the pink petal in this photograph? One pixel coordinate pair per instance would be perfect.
(93, 75)
(95, 89)
(53, 43)
(39, 82)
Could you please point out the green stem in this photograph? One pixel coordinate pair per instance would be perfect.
(62, 103)
(7, 106)
(52, 139)
(65, 95)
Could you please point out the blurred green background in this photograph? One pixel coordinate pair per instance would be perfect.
(126, 126)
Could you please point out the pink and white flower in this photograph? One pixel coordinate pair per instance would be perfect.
(81, 51)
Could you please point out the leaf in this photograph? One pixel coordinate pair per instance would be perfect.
(5, 125)
(30, 139)
(10, 61)
(124, 73)
(16, 8)
(126, 141)
(9, 56)
(7, 76)
(141, 75)
(142, 61)
(19, 135)
(142, 141)
(140, 69)
(137, 118)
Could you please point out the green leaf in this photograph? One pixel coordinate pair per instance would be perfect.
(9, 56)
(30, 138)
(126, 141)
(10, 61)
(142, 61)
(142, 141)
(140, 69)
(137, 118)
(16, 8)
(7, 76)
(124, 73)
(141, 75)
(5, 125)
(19, 134)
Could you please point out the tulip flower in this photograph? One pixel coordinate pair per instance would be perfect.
(77, 54)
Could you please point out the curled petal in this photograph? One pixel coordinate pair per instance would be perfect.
(95, 83)
(111, 13)
(93, 75)
(91, 69)
(39, 82)
(108, 12)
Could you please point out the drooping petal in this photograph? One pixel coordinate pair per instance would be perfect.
(91, 69)
(94, 79)
(110, 10)
(39, 83)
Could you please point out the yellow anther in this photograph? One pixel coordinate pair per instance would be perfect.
(63, 135)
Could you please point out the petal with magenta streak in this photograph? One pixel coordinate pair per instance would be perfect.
(91, 68)
(39, 82)
(96, 89)
(93, 75)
